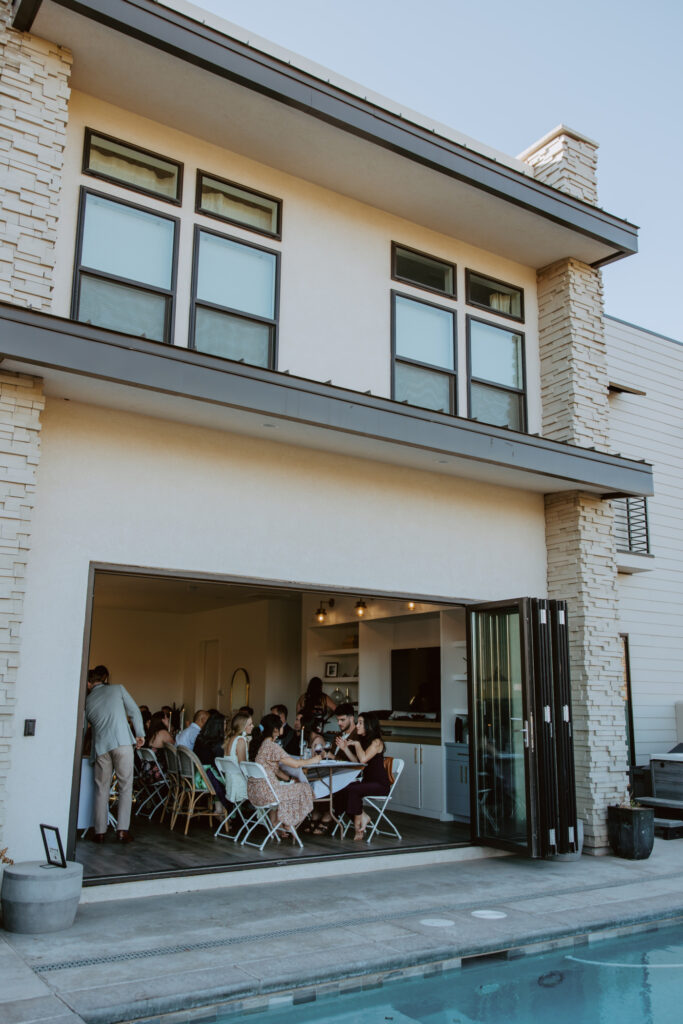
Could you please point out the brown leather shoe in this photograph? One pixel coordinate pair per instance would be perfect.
(98, 837)
(124, 837)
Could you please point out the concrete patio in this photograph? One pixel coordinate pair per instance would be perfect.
(254, 945)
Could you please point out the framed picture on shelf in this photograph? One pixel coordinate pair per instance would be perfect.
(331, 669)
(52, 841)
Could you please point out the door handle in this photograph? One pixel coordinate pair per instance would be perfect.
(414, 755)
(524, 730)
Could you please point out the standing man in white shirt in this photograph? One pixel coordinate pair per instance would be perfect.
(186, 737)
(107, 709)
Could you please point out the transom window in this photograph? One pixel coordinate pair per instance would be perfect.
(424, 344)
(496, 296)
(496, 374)
(235, 291)
(132, 167)
(125, 267)
(421, 270)
(238, 205)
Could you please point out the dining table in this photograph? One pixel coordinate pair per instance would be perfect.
(328, 776)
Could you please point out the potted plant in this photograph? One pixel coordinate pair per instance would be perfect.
(631, 830)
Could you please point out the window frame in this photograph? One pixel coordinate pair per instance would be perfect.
(395, 246)
(79, 268)
(452, 374)
(274, 323)
(492, 384)
(89, 132)
(494, 280)
(277, 235)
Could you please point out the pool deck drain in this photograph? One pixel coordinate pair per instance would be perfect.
(192, 956)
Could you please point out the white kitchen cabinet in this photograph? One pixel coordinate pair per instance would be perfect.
(420, 787)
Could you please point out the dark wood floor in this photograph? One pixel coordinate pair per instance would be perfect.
(158, 852)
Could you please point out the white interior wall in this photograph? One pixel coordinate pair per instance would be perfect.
(335, 255)
(197, 501)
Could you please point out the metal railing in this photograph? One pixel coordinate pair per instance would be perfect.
(631, 526)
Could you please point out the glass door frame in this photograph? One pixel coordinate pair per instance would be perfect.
(531, 847)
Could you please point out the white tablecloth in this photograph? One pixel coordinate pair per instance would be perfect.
(343, 774)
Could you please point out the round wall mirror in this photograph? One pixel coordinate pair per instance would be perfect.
(239, 688)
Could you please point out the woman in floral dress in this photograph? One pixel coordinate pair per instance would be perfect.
(296, 798)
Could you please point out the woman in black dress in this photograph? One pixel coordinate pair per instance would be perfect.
(368, 750)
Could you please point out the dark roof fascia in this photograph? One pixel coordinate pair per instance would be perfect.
(209, 49)
(41, 340)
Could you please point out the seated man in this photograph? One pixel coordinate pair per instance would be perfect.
(293, 745)
(346, 717)
(186, 737)
(281, 711)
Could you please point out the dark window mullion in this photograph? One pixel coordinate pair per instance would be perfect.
(426, 366)
(267, 321)
(498, 387)
(129, 282)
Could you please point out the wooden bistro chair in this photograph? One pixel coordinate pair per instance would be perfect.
(175, 782)
(252, 770)
(227, 768)
(198, 794)
(154, 790)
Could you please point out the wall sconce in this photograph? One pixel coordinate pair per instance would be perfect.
(360, 608)
(321, 613)
(411, 606)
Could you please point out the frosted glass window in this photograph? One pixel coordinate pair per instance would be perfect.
(496, 406)
(238, 205)
(427, 389)
(133, 167)
(127, 242)
(496, 354)
(122, 308)
(236, 276)
(232, 337)
(424, 333)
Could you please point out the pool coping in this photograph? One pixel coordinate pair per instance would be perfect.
(395, 971)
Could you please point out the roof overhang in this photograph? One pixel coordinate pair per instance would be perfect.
(97, 366)
(176, 70)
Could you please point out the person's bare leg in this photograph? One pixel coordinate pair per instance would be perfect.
(360, 823)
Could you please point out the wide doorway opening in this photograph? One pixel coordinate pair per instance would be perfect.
(193, 644)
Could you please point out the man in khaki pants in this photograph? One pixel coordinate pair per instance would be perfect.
(107, 709)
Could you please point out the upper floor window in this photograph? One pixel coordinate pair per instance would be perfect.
(125, 267)
(132, 167)
(235, 293)
(424, 348)
(495, 357)
(422, 271)
(238, 205)
(496, 296)
(631, 525)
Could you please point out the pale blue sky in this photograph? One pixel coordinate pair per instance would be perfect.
(506, 74)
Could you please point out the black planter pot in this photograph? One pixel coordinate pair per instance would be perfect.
(631, 831)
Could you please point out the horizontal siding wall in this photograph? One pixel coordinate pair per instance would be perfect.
(651, 603)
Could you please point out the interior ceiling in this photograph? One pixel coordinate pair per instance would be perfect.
(156, 85)
(177, 596)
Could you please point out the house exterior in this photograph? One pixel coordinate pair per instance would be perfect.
(260, 327)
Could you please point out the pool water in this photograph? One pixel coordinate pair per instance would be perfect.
(636, 980)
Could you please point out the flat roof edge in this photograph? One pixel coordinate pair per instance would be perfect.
(165, 28)
(45, 341)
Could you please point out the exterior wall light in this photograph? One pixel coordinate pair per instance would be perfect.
(411, 606)
(361, 608)
(321, 613)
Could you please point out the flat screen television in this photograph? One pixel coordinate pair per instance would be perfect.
(416, 680)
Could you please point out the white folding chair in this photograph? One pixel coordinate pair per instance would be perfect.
(157, 789)
(261, 816)
(227, 769)
(379, 804)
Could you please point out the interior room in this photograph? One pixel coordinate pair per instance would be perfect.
(201, 643)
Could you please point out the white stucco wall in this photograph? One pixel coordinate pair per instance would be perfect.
(128, 490)
(650, 426)
(335, 284)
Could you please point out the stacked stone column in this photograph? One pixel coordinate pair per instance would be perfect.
(34, 93)
(579, 527)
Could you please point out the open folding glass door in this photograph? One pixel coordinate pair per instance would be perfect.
(521, 757)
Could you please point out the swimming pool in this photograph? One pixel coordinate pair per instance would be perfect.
(634, 980)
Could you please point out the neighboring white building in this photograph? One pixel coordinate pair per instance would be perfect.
(646, 420)
(269, 342)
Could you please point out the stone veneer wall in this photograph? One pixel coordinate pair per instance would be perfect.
(34, 93)
(579, 528)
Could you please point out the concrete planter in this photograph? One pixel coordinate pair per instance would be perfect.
(37, 898)
(631, 831)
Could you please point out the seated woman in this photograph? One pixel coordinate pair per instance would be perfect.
(208, 746)
(296, 798)
(368, 750)
(236, 748)
(157, 734)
